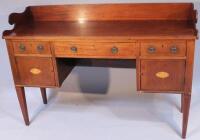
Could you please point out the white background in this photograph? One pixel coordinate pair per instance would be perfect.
(93, 103)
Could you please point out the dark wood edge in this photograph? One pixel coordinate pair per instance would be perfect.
(111, 3)
(17, 19)
(138, 67)
(195, 16)
(195, 19)
(12, 61)
(54, 65)
(36, 86)
(189, 66)
(64, 38)
(161, 92)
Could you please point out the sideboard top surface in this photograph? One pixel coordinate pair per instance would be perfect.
(139, 21)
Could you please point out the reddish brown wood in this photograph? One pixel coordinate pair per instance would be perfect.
(137, 20)
(95, 30)
(45, 75)
(96, 50)
(188, 84)
(174, 81)
(189, 66)
(22, 101)
(12, 61)
(138, 69)
(20, 18)
(35, 48)
(103, 29)
(195, 19)
(182, 103)
(94, 12)
(164, 48)
(186, 108)
(44, 95)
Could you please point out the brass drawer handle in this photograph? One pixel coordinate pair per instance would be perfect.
(22, 47)
(74, 49)
(40, 48)
(173, 49)
(151, 49)
(114, 50)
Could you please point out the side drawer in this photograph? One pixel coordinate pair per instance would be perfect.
(97, 50)
(26, 47)
(163, 48)
(35, 71)
(162, 75)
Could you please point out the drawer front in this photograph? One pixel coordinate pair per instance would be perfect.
(32, 48)
(35, 71)
(163, 48)
(162, 75)
(97, 50)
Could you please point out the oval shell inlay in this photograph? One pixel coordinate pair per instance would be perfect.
(35, 71)
(162, 74)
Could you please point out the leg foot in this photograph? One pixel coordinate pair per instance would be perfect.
(186, 108)
(22, 101)
(44, 95)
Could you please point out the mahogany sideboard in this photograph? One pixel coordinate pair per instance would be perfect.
(48, 41)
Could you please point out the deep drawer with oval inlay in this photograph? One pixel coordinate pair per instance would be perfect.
(162, 75)
(25, 47)
(35, 71)
(96, 50)
(163, 48)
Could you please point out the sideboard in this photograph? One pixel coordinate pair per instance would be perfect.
(47, 42)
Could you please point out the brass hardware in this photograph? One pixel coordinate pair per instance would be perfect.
(173, 49)
(35, 71)
(74, 49)
(22, 47)
(114, 50)
(151, 49)
(162, 74)
(40, 48)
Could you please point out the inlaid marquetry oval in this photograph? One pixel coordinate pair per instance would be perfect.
(35, 71)
(162, 74)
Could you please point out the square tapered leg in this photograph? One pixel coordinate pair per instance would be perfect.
(186, 108)
(44, 95)
(22, 101)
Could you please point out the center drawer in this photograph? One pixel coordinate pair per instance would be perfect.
(97, 50)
